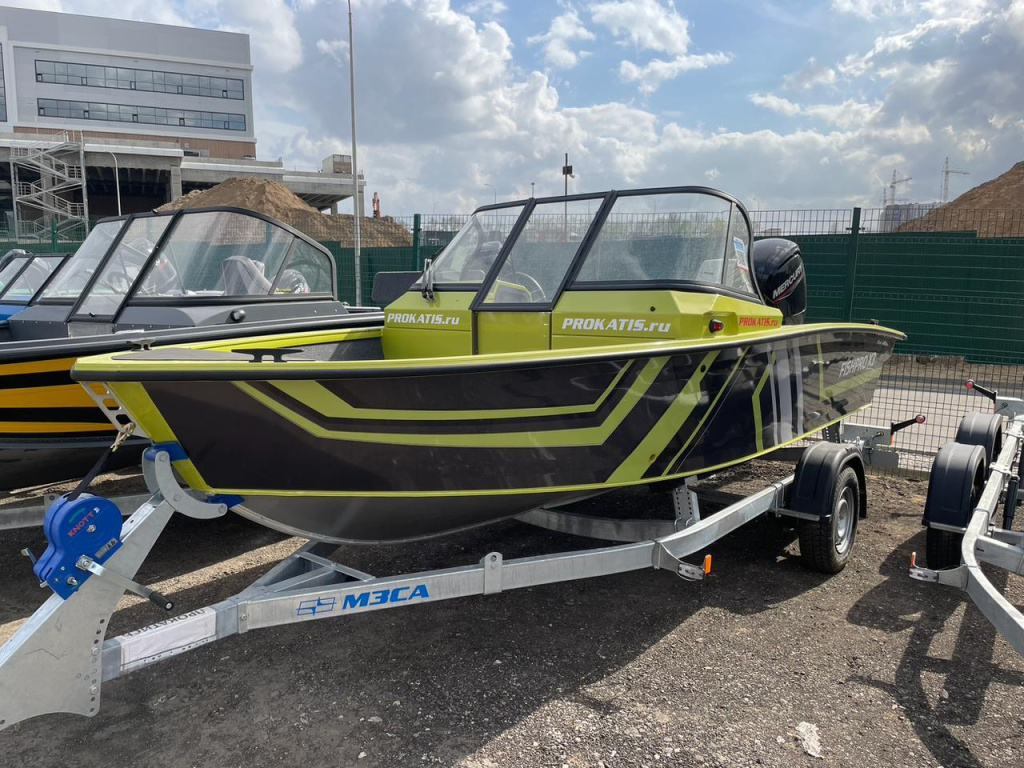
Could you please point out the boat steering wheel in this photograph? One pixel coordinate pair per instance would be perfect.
(536, 291)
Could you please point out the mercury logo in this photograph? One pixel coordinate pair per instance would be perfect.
(788, 284)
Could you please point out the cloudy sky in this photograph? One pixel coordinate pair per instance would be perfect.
(784, 103)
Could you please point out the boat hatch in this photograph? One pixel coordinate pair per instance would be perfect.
(179, 269)
(585, 270)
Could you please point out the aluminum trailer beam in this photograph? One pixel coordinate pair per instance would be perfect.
(57, 661)
(985, 541)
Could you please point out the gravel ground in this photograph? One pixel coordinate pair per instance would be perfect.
(640, 669)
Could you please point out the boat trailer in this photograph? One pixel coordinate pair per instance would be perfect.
(973, 478)
(58, 660)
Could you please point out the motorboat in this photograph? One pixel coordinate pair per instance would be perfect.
(22, 276)
(557, 348)
(138, 281)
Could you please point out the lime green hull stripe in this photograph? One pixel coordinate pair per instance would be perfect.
(721, 391)
(562, 489)
(557, 438)
(322, 400)
(668, 426)
(758, 423)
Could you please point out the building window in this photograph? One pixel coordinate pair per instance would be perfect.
(97, 76)
(122, 113)
(3, 89)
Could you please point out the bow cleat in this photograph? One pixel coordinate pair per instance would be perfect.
(87, 526)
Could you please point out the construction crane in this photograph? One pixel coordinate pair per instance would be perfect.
(892, 188)
(946, 173)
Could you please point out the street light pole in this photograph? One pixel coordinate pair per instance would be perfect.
(117, 180)
(355, 165)
(494, 191)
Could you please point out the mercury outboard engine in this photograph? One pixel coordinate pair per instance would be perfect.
(779, 269)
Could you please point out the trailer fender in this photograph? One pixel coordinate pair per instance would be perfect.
(984, 429)
(816, 475)
(956, 472)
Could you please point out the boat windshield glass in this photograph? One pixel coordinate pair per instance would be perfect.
(222, 253)
(27, 284)
(690, 237)
(72, 278)
(121, 269)
(468, 257)
(10, 270)
(543, 252)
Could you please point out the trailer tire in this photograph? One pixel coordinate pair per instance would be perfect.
(826, 543)
(955, 484)
(984, 429)
(942, 549)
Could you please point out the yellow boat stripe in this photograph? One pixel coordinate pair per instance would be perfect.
(758, 423)
(556, 438)
(42, 427)
(520, 491)
(322, 400)
(62, 396)
(721, 391)
(39, 366)
(668, 426)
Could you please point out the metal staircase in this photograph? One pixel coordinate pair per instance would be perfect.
(46, 179)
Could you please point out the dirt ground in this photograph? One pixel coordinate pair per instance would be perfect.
(640, 669)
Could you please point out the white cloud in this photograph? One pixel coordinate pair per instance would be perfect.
(486, 7)
(648, 25)
(564, 30)
(872, 9)
(657, 71)
(810, 75)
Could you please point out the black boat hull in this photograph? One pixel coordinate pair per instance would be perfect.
(354, 456)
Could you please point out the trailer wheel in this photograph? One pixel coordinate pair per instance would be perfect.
(984, 429)
(826, 543)
(955, 485)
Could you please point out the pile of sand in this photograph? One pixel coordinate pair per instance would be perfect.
(276, 200)
(992, 209)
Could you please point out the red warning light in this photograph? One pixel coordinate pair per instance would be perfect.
(715, 326)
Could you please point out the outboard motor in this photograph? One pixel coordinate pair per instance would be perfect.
(779, 270)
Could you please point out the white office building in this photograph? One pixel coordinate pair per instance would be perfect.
(170, 107)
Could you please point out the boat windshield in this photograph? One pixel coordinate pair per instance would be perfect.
(468, 257)
(224, 254)
(688, 237)
(10, 270)
(26, 285)
(74, 276)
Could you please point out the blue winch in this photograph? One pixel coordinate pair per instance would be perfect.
(88, 526)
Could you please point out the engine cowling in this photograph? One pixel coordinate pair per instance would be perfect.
(780, 274)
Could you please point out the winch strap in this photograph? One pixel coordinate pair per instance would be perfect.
(86, 481)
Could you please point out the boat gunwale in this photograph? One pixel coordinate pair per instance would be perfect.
(124, 369)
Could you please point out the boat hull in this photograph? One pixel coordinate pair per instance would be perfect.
(52, 430)
(355, 456)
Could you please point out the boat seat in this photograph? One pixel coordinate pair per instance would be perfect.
(244, 277)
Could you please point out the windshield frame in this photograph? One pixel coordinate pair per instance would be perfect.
(4, 298)
(132, 297)
(569, 280)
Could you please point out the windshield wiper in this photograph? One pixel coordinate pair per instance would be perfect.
(427, 280)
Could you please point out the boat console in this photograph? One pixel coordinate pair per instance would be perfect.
(592, 270)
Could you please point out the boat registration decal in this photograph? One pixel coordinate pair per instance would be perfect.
(629, 324)
(423, 318)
